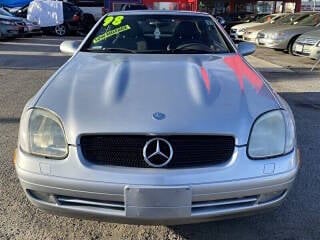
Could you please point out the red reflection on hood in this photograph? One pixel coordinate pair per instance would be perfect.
(242, 70)
(205, 77)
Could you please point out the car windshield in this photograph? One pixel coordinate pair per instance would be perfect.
(264, 19)
(290, 19)
(5, 13)
(152, 33)
(311, 20)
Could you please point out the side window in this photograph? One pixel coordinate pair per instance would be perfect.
(67, 12)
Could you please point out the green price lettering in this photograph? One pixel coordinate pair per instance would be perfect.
(114, 20)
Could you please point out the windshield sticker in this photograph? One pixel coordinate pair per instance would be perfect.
(110, 33)
(115, 21)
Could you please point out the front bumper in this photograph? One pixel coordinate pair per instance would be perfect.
(33, 30)
(156, 196)
(236, 36)
(249, 38)
(10, 31)
(311, 51)
(272, 43)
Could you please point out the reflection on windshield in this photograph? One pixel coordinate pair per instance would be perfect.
(157, 34)
(264, 19)
(311, 20)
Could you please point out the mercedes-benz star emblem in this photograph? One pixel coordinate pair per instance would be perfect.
(157, 152)
(158, 116)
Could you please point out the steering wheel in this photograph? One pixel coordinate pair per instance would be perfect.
(192, 45)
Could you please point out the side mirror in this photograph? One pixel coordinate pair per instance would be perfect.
(69, 47)
(246, 48)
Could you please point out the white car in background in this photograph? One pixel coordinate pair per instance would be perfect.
(238, 30)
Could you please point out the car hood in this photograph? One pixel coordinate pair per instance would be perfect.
(261, 27)
(10, 18)
(313, 34)
(290, 29)
(119, 93)
(247, 25)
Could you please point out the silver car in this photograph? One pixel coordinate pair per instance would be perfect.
(29, 28)
(250, 34)
(283, 37)
(156, 119)
(10, 26)
(308, 44)
(237, 31)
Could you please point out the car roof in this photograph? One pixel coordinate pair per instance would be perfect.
(159, 12)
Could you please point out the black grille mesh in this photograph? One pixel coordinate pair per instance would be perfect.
(127, 151)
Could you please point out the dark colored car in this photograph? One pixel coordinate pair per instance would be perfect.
(129, 7)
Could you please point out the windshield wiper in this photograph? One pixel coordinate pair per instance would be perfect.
(110, 50)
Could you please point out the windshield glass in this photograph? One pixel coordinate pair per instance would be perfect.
(264, 19)
(157, 34)
(5, 13)
(291, 18)
(311, 20)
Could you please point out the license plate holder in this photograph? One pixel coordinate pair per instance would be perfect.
(150, 203)
(299, 48)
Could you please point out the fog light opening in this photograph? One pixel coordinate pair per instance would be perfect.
(42, 196)
(268, 197)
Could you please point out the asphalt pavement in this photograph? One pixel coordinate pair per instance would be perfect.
(26, 64)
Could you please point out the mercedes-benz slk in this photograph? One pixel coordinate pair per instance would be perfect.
(157, 118)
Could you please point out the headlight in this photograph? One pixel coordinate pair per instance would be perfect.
(7, 22)
(41, 133)
(242, 30)
(272, 134)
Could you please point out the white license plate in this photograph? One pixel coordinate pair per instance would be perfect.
(299, 48)
(158, 202)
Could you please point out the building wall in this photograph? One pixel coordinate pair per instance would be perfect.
(234, 6)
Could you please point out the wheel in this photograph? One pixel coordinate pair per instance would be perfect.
(60, 30)
(290, 45)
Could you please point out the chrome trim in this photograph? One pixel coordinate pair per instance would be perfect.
(86, 202)
(225, 202)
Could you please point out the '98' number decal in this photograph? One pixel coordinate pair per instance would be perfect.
(114, 20)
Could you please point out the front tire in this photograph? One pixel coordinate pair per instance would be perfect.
(290, 45)
(60, 30)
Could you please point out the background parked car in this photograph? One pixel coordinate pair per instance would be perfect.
(283, 37)
(308, 44)
(133, 6)
(30, 28)
(251, 34)
(10, 26)
(238, 30)
(234, 19)
(222, 21)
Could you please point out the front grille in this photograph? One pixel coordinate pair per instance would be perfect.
(127, 151)
(307, 41)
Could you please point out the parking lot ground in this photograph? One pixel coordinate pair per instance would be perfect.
(22, 73)
(285, 60)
